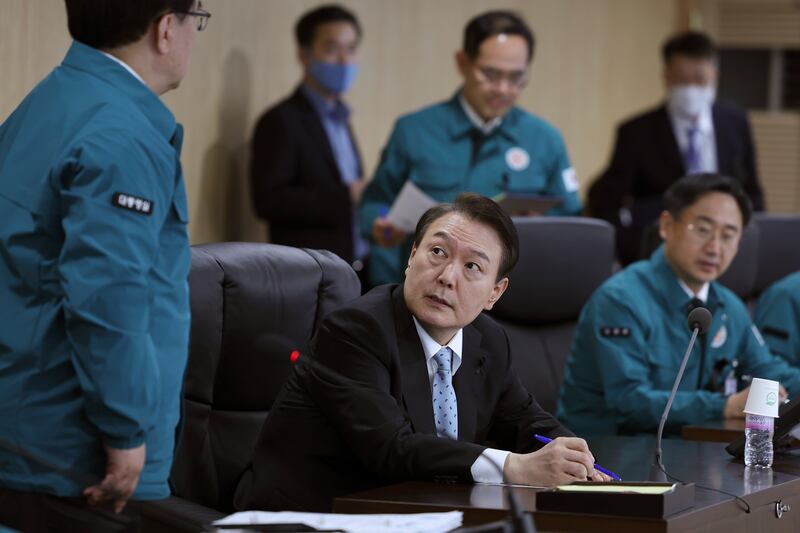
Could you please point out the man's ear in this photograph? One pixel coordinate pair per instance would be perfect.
(165, 32)
(304, 56)
(497, 291)
(665, 223)
(462, 62)
(412, 254)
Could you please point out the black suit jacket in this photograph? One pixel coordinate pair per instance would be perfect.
(361, 416)
(647, 160)
(296, 184)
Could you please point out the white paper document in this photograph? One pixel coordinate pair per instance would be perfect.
(351, 523)
(408, 207)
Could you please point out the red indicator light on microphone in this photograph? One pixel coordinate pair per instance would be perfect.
(294, 356)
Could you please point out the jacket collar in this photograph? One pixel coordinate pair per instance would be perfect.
(460, 124)
(667, 286)
(95, 63)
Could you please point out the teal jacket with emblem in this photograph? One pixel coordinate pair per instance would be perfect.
(94, 262)
(778, 318)
(628, 346)
(433, 148)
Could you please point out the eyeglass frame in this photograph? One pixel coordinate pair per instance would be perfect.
(704, 231)
(202, 17)
(494, 76)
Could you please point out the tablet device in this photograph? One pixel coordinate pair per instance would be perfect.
(788, 418)
(521, 204)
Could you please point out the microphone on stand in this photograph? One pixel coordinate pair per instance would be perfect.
(519, 522)
(699, 320)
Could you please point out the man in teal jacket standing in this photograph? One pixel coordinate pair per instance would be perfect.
(477, 141)
(778, 317)
(632, 333)
(94, 259)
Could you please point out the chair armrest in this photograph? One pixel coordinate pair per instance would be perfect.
(175, 514)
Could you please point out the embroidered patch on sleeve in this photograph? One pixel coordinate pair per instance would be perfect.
(136, 204)
(570, 179)
(613, 331)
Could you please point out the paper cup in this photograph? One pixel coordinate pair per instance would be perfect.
(763, 398)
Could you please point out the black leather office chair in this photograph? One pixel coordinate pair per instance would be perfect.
(779, 247)
(741, 274)
(241, 295)
(562, 261)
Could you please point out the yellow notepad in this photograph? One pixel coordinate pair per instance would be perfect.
(617, 488)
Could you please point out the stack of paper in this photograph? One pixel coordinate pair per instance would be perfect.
(409, 206)
(351, 523)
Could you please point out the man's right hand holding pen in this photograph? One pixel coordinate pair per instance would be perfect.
(559, 462)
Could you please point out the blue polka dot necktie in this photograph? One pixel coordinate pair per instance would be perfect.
(445, 408)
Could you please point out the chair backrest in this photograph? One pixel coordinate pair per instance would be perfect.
(741, 274)
(779, 247)
(242, 293)
(562, 261)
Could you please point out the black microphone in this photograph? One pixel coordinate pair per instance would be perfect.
(520, 522)
(699, 320)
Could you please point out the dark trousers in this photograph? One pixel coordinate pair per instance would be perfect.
(35, 512)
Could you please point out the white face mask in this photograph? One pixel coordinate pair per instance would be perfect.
(689, 101)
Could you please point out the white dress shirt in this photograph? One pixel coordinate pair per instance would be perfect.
(482, 470)
(701, 295)
(124, 65)
(706, 143)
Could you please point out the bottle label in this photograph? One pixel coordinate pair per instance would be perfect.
(766, 423)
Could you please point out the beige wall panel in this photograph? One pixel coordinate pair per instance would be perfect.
(597, 62)
(777, 137)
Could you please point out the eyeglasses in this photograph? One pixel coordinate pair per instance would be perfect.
(702, 232)
(202, 18)
(517, 79)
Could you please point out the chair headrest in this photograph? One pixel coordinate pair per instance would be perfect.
(562, 261)
(242, 292)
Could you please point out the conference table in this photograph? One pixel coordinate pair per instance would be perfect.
(773, 495)
(726, 430)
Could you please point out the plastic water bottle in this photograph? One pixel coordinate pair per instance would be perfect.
(758, 441)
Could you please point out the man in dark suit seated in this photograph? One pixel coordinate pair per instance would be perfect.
(690, 133)
(412, 381)
(306, 172)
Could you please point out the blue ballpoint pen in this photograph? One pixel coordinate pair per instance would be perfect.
(612, 475)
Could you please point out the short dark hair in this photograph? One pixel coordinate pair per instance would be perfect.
(494, 23)
(689, 189)
(110, 24)
(484, 210)
(692, 44)
(306, 28)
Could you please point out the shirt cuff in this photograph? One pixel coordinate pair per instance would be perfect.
(483, 469)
